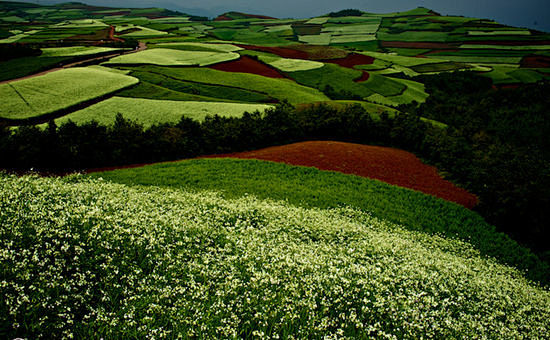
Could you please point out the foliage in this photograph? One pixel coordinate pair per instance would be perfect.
(346, 13)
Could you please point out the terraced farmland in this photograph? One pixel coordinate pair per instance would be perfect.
(149, 111)
(57, 91)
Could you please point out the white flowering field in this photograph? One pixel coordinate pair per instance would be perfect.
(85, 258)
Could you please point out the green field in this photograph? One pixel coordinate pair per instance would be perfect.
(276, 88)
(169, 57)
(293, 65)
(312, 188)
(58, 90)
(149, 111)
(414, 91)
(206, 46)
(73, 51)
(199, 265)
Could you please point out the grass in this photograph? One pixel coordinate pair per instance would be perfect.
(169, 57)
(58, 90)
(150, 111)
(145, 32)
(493, 33)
(312, 188)
(277, 88)
(208, 267)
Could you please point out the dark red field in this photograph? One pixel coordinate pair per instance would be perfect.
(364, 77)
(351, 60)
(389, 165)
(248, 65)
(280, 51)
(535, 61)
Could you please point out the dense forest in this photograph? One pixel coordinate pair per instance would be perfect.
(496, 144)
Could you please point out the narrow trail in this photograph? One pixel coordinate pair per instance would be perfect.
(141, 47)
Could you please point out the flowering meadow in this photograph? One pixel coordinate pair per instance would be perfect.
(86, 258)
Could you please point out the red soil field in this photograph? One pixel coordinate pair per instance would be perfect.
(247, 65)
(222, 18)
(351, 60)
(280, 51)
(509, 42)
(412, 44)
(389, 165)
(535, 61)
(364, 77)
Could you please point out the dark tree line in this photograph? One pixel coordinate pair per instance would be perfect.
(496, 144)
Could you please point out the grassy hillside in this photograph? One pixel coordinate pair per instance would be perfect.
(143, 262)
(309, 187)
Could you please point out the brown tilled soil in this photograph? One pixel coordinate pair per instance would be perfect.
(535, 61)
(389, 165)
(280, 51)
(364, 77)
(247, 65)
(351, 60)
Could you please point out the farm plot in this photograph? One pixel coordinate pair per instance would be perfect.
(145, 32)
(277, 88)
(74, 51)
(428, 36)
(149, 111)
(179, 89)
(293, 65)
(388, 165)
(205, 46)
(58, 90)
(414, 91)
(169, 57)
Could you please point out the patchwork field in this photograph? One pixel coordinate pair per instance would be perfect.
(316, 239)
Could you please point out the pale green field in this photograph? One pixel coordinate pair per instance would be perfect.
(277, 88)
(292, 65)
(321, 20)
(338, 39)
(145, 32)
(278, 28)
(17, 37)
(478, 60)
(58, 90)
(149, 111)
(217, 47)
(319, 39)
(403, 61)
(415, 92)
(81, 23)
(169, 57)
(352, 29)
(75, 51)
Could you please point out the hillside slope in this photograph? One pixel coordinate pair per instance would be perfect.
(143, 262)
